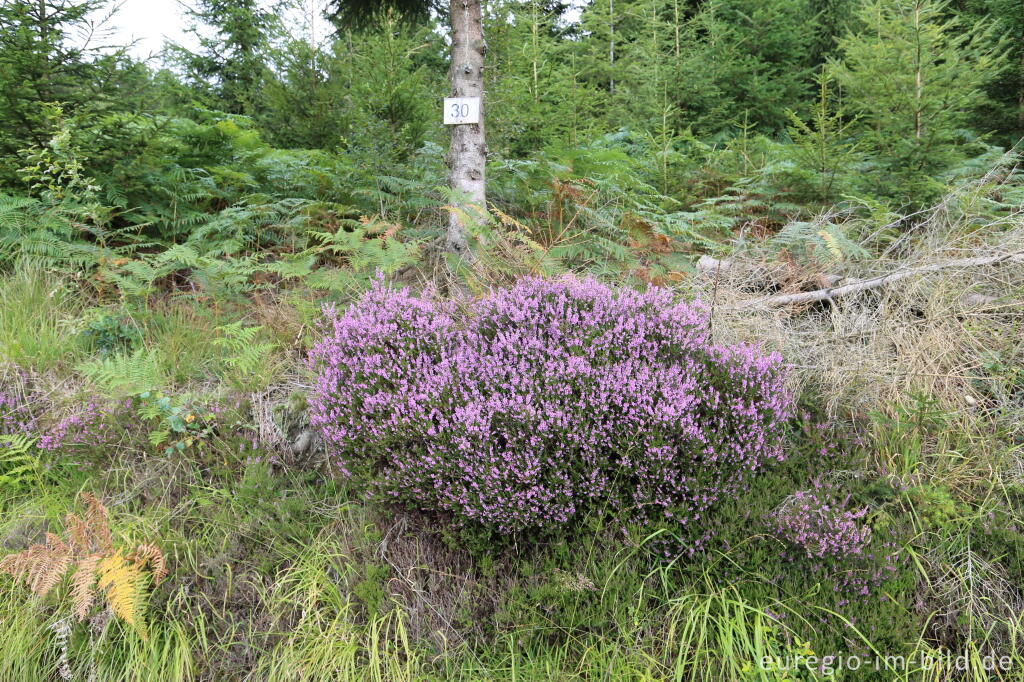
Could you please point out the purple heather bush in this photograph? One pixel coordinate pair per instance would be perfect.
(83, 427)
(828, 535)
(529, 407)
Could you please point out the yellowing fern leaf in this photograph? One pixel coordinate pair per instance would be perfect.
(97, 566)
(832, 244)
(120, 579)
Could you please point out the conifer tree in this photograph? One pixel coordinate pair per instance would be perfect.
(531, 99)
(56, 52)
(231, 65)
(367, 91)
(824, 148)
(1004, 113)
(913, 75)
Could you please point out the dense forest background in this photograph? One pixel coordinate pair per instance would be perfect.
(687, 120)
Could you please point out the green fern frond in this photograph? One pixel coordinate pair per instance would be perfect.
(816, 243)
(249, 359)
(123, 375)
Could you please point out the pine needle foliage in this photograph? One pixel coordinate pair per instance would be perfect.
(100, 572)
(824, 150)
(362, 12)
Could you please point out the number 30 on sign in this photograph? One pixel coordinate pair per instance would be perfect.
(461, 110)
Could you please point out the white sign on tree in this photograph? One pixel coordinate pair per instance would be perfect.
(458, 110)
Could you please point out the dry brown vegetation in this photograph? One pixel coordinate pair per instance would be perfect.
(936, 332)
(98, 568)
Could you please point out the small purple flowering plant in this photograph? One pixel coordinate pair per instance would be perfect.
(821, 522)
(828, 533)
(80, 426)
(15, 418)
(527, 408)
(85, 427)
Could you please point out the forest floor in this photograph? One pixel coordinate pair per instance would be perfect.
(186, 418)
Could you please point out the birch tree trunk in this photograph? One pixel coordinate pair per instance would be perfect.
(467, 157)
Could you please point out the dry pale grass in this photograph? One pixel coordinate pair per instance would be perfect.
(955, 334)
(967, 592)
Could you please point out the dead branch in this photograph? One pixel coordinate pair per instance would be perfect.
(856, 286)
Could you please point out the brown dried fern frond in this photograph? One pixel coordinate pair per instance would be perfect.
(83, 583)
(151, 554)
(41, 566)
(96, 566)
(52, 566)
(98, 520)
(78, 534)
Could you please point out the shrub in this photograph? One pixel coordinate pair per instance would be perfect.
(829, 537)
(532, 406)
(111, 333)
(17, 465)
(83, 427)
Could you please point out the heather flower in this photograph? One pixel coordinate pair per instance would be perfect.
(821, 522)
(526, 408)
(833, 540)
(85, 426)
(15, 418)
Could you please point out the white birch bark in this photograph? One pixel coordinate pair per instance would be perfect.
(467, 156)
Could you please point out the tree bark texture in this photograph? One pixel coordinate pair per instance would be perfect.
(467, 157)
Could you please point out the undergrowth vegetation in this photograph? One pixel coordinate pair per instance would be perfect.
(731, 389)
(890, 527)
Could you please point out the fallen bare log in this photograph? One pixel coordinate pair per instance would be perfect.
(855, 286)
